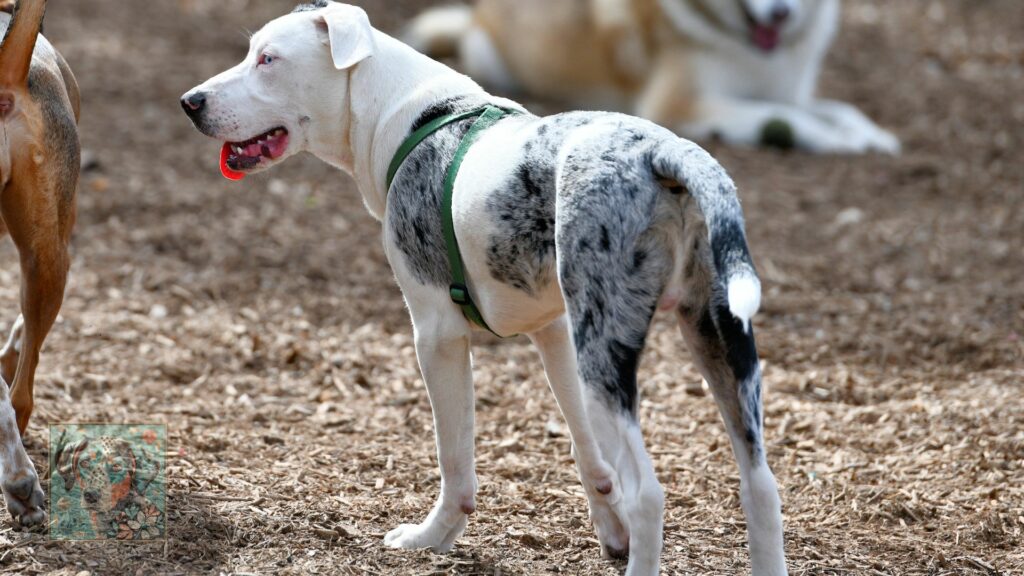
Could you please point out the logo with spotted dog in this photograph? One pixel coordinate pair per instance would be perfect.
(107, 482)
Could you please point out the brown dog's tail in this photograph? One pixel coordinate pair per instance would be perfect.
(20, 41)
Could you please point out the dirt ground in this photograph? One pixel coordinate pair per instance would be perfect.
(262, 324)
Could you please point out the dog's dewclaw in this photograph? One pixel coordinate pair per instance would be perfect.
(778, 134)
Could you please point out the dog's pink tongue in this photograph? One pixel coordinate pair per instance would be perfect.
(277, 146)
(228, 173)
(765, 37)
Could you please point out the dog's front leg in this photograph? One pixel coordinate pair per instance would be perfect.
(856, 125)
(442, 346)
(743, 122)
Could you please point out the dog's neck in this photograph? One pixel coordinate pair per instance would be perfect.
(387, 93)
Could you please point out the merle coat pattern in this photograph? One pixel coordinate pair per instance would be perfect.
(573, 229)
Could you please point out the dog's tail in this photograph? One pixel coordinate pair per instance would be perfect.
(438, 31)
(20, 41)
(683, 162)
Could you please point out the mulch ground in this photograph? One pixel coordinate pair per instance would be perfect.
(262, 324)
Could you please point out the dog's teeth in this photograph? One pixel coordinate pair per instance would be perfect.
(237, 150)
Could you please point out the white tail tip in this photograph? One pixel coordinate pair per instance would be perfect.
(744, 297)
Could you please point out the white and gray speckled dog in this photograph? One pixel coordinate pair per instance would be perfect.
(574, 229)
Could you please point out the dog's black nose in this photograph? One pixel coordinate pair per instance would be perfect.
(780, 13)
(194, 104)
(91, 497)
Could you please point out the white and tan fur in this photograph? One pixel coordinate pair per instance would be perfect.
(616, 202)
(689, 65)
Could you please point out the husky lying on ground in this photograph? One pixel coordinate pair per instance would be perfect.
(573, 230)
(738, 70)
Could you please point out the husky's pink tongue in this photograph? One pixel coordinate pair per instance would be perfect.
(765, 37)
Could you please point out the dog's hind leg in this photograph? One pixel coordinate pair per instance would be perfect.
(443, 349)
(559, 357)
(724, 350)
(610, 314)
(613, 266)
(40, 226)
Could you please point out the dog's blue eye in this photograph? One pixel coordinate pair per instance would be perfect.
(266, 59)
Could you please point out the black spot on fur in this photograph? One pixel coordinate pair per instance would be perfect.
(606, 243)
(729, 245)
(639, 257)
(310, 6)
(584, 328)
(415, 197)
(443, 108)
(626, 361)
(521, 253)
(741, 350)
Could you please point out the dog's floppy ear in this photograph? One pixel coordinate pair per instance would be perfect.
(348, 32)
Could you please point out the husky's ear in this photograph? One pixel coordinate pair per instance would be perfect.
(346, 29)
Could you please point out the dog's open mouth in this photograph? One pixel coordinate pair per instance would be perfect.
(767, 37)
(240, 157)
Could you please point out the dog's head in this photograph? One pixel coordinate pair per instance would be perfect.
(266, 108)
(106, 470)
(764, 22)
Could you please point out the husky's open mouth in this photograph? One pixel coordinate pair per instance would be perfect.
(767, 37)
(239, 157)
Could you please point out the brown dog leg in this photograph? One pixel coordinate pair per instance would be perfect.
(41, 233)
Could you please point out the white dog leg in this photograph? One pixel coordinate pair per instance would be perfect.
(742, 122)
(856, 126)
(559, 359)
(442, 346)
(642, 502)
(727, 356)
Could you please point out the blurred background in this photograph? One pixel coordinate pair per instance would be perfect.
(261, 322)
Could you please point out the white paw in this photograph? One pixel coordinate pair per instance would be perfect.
(409, 536)
(885, 142)
(863, 136)
(611, 531)
(432, 535)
